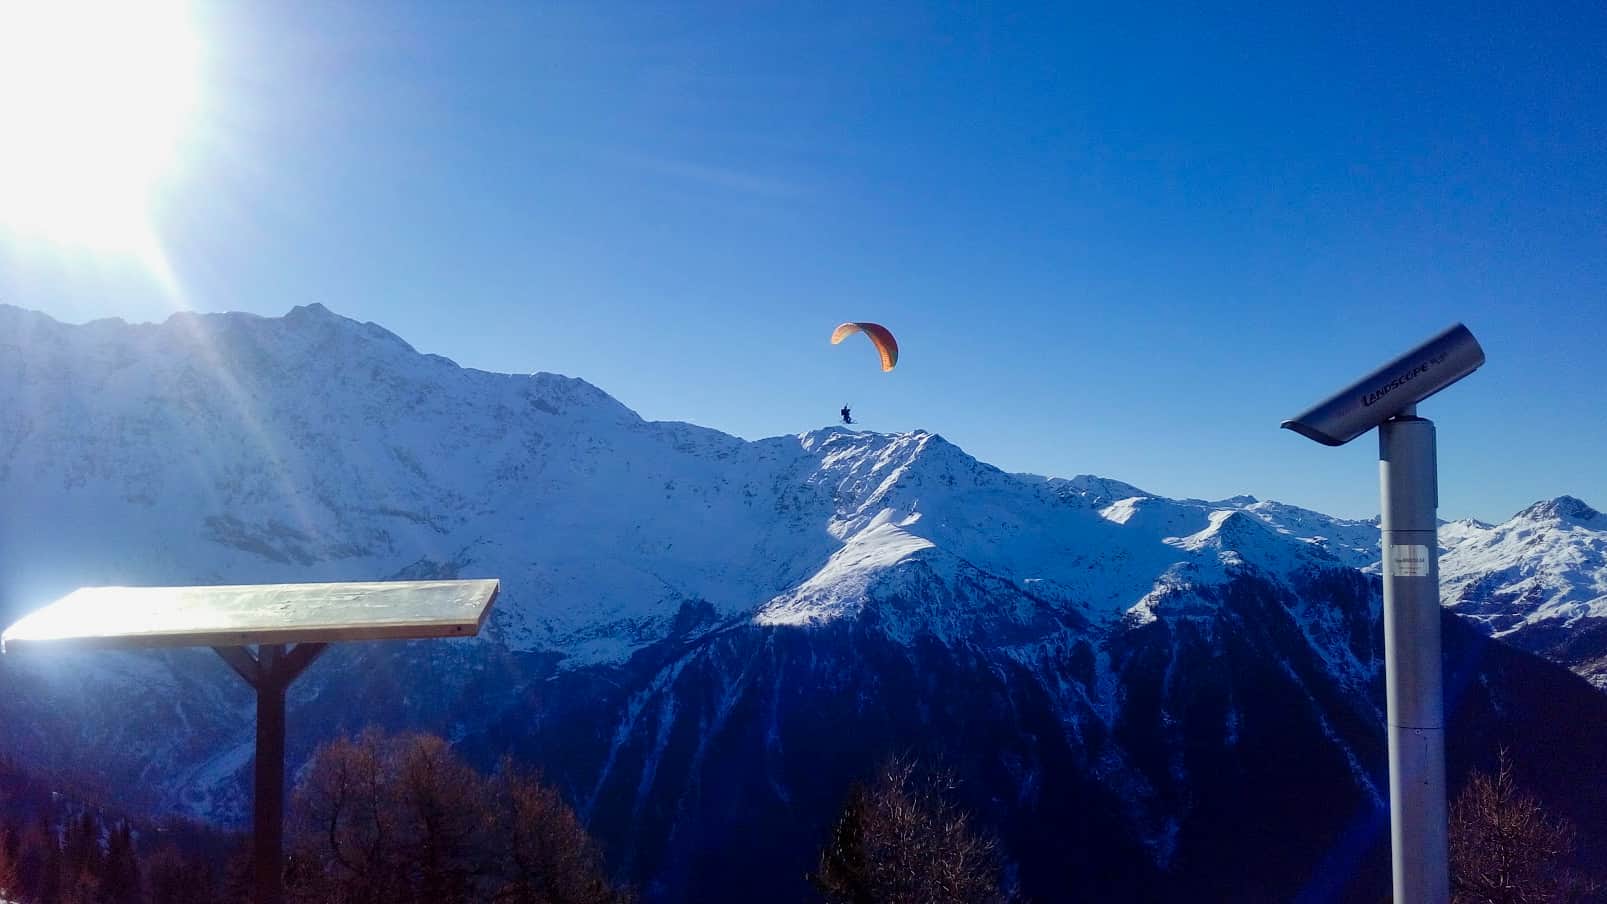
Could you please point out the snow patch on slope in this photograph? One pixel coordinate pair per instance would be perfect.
(842, 585)
(1548, 562)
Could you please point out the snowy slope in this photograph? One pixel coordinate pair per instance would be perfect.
(232, 447)
(311, 447)
(1538, 580)
(236, 448)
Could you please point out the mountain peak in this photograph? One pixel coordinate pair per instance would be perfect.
(1094, 490)
(315, 309)
(318, 323)
(1562, 508)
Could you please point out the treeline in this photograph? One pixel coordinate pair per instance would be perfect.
(403, 820)
(375, 819)
(901, 840)
(55, 848)
(84, 858)
(380, 819)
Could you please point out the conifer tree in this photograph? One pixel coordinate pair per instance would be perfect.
(174, 878)
(120, 872)
(10, 884)
(42, 850)
(80, 847)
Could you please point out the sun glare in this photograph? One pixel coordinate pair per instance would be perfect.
(95, 97)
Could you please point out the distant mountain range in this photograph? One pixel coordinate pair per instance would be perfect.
(704, 640)
(1537, 581)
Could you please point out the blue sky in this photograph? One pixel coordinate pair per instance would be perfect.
(1116, 241)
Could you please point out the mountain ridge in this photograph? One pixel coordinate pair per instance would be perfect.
(703, 639)
(395, 505)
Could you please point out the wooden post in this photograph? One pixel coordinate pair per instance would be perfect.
(268, 799)
(270, 672)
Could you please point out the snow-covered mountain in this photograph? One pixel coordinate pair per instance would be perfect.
(236, 447)
(705, 639)
(1538, 581)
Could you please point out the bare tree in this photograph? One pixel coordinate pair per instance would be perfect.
(1505, 849)
(544, 853)
(341, 826)
(377, 818)
(441, 802)
(403, 819)
(903, 841)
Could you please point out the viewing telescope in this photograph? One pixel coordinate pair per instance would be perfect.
(1413, 667)
(1385, 392)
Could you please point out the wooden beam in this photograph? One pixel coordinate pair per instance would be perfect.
(296, 661)
(240, 616)
(244, 664)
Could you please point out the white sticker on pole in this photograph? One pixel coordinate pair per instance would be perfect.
(1408, 561)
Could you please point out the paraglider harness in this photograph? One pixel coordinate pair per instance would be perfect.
(847, 418)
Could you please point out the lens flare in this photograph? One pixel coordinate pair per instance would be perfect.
(95, 100)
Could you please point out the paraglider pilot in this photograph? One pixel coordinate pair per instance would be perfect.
(847, 418)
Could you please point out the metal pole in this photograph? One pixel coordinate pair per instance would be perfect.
(268, 804)
(1413, 668)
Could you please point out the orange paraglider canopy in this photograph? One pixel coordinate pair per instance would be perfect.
(878, 335)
